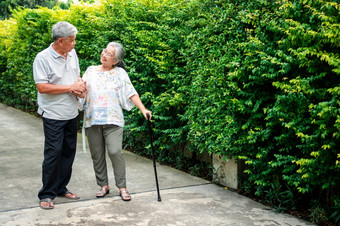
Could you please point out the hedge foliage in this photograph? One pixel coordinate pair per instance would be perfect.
(256, 80)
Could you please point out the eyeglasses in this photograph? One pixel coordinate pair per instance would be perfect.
(105, 52)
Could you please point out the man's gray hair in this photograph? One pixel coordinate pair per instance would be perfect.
(63, 29)
(119, 50)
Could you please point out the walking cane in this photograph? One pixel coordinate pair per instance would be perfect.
(153, 158)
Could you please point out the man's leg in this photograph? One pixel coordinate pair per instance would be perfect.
(53, 130)
(67, 154)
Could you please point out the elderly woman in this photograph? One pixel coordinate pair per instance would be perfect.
(109, 90)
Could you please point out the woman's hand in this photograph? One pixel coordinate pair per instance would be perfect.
(79, 94)
(145, 112)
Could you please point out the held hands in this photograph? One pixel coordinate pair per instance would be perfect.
(79, 88)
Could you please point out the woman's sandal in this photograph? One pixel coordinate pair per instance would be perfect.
(50, 204)
(125, 195)
(103, 192)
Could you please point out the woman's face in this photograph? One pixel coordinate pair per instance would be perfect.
(107, 57)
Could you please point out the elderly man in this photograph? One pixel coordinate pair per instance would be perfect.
(57, 77)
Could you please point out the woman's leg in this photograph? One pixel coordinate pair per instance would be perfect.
(113, 139)
(97, 148)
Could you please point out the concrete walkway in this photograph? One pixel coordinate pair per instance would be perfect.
(186, 200)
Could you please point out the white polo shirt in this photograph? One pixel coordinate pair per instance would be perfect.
(50, 67)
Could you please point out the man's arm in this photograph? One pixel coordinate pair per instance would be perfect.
(46, 88)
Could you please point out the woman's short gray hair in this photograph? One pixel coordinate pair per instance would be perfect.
(63, 29)
(119, 50)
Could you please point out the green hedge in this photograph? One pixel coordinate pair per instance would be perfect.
(255, 80)
(265, 90)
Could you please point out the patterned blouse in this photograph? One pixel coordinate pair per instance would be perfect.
(108, 93)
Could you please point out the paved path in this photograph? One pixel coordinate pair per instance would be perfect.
(186, 200)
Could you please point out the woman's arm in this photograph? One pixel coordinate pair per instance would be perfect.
(137, 101)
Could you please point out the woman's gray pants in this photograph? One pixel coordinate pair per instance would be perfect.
(107, 137)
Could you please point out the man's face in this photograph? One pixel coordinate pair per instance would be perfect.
(68, 43)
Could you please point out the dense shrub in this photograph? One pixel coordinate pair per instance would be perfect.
(255, 80)
(6, 6)
(267, 77)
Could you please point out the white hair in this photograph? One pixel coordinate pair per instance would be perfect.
(119, 50)
(63, 29)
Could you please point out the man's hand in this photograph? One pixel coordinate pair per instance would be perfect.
(79, 88)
